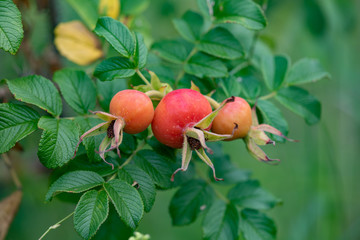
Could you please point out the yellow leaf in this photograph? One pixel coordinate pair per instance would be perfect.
(110, 8)
(75, 42)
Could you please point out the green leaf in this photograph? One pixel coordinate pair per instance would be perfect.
(221, 43)
(37, 90)
(175, 51)
(157, 166)
(190, 26)
(77, 89)
(244, 12)
(272, 115)
(91, 143)
(16, 122)
(133, 7)
(161, 148)
(221, 222)
(74, 182)
(58, 141)
(114, 68)
(202, 65)
(91, 211)
(255, 225)
(205, 6)
(113, 228)
(87, 10)
(251, 87)
(11, 28)
(228, 87)
(306, 70)
(300, 102)
(117, 34)
(225, 168)
(274, 71)
(108, 89)
(146, 188)
(249, 194)
(141, 51)
(126, 200)
(189, 201)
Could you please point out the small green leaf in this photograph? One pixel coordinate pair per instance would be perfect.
(189, 201)
(251, 87)
(255, 225)
(249, 194)
(274, 71)
(300, 102)
(244, 12)
(74, 182)
(221, 222)
(228, 87)
(77, 89)
(141, 51)
(157, 166)
(161, 148)
(114, 68)
(107, 89)
(117, 34)
(11, 28)
(146, 188)
(37, 90)
(221, 43)
(272, 115)
(190, 26)
(306, 70)
(91, 211)
(205, 7)
(58, 141)
(175, 51)
(87, 10)
(202, 65)
(16, 122)
(126, 200)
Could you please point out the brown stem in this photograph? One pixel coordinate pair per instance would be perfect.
(13, 174)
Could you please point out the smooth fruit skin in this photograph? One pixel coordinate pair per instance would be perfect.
(177, 110)
(135, 108)
(238, 112)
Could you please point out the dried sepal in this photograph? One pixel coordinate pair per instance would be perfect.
(202, 155)
(257, 152)
(185, 159)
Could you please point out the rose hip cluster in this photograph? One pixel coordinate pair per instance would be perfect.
(183, 119)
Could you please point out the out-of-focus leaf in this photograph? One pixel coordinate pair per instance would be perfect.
(228, 87)
(11, 28)
(255, 225)
(161, 148)
(75, 42)
(8, 209)
(306, 70)
(114, 68)
(202, 65)
(141, 51)
(249, 194)
(157, 166)
(205, 7)
(190, 26)
(133, 7)
(117, 34)
(127, 201)
(272, 115)
(315, 17)
(244, 12)
(300, 102)
(110, 8)
(77, 89)
(87, 10)
(221, 43)
(221, 222)
(37, 90)
(275, 76)
(74, 182)
(58, 141)
(189, 201)
(175, 51)
(251, 87)
(90, 212)
(146, 188)
(16, 122)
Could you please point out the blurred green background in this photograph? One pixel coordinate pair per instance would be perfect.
(318, 178)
